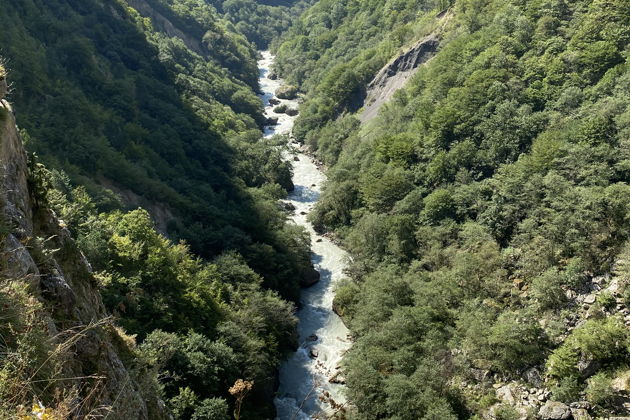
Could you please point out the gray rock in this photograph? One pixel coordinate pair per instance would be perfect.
(287, 92)
(274, 101)
(337, 378)
(588, 367)
(580, 414)
(288, 206)
(533, 377)
(554, 410)
(271, 121)
(506, 394)
(590, 299)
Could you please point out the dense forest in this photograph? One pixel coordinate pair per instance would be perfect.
(487, 206)
(154, 104)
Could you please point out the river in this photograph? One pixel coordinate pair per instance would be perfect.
(305, 389)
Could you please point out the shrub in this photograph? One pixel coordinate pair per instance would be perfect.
(566, 390)
(599, 391)
(547, 290)
(600, 340)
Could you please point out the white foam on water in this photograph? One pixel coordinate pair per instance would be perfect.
(303, 377)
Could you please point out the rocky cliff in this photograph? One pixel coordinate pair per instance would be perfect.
(395, 74)
(86, 359)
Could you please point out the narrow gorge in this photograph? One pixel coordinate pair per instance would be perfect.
(310, 380)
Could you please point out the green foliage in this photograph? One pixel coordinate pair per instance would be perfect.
(599, 390)
(604, 341)
(483, 196)
(202, 325)
(156, 118)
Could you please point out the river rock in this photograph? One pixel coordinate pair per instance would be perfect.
(288, 206)
(337, 378)
(280, 109)
(291, 112)
(296, 159)
(310, 277)
(287, 92)
(271, 121)
(312, 337)
(274, 101)
(272, 76)
(554, 410)
(313, 353)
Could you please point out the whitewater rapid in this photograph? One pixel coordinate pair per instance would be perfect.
(306, 390)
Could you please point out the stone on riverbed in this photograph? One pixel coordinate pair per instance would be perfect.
(274, 101)
(310, 277)
(287, 92)
(337, 378)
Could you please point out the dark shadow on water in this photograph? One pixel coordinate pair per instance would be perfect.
(304, 194)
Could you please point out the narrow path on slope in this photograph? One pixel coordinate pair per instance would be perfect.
(309, 378)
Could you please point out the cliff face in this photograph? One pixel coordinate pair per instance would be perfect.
(395, 74)
(39, 253)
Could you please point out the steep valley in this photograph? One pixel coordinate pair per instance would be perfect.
(321, 209)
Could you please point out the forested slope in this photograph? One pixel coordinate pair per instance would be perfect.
(486, 208)
(146, 103)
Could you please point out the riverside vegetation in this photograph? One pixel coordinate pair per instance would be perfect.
(481, 207)
(147, 103)
(486, 208)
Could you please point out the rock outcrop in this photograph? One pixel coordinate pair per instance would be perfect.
(554, 410)
(395, 74)
(39, 252)
(164, 25)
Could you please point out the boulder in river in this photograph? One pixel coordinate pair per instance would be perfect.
(287, 92)
(313, 353)
(271, 121)
(310, 277)
(312, 337)
(291, 112)
(274, 101)
(273, 76)
(337, 378)
(288, 206)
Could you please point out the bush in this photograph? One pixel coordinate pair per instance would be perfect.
(599, 390)
(566, 390)
(547, 290)
(600, 340)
